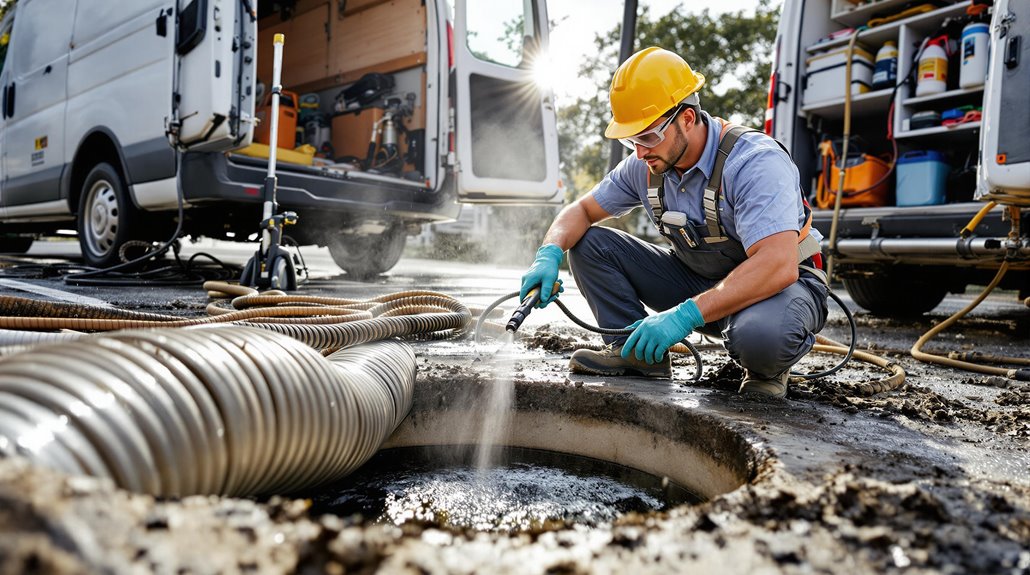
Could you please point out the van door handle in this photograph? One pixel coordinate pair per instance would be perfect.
(162, 23)
(9, 101)
(48, 69)
(1012, 51)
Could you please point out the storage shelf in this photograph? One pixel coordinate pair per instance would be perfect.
(862, 14)
(874, 37)
(950, 94)
(861, 104)
(941, 132)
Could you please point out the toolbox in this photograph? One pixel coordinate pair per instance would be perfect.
(352, 131)
(825, 75)
(925, 119)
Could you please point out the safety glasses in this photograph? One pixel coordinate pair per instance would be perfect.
(652, 137)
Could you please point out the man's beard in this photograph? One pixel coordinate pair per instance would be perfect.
(666, 164)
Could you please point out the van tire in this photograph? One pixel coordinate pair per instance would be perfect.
(106, 216)
(896, 293)
(365, 257)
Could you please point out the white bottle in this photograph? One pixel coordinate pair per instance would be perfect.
(932, 76)
(975, 41)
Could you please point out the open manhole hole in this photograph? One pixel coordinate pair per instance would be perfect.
(572, 456)
(522, 490)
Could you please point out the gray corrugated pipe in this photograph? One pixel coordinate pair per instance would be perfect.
(219, 410)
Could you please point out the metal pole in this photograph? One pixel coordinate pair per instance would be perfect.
(629, 32)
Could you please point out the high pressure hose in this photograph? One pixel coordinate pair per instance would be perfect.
(896, 378)
(964, 360)
(220, 410)
(844, 156)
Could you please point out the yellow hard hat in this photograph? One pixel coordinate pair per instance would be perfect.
(648, 84)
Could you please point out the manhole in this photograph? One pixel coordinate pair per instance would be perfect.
(691, 447)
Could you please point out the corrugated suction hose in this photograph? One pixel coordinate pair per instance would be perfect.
(224, 406)
(222, 410)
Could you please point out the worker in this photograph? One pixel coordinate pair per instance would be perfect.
(745, 263)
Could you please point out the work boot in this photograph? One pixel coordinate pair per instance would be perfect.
(775, 386)
(609, 361)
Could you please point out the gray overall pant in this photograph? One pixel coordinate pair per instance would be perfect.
(620, 274)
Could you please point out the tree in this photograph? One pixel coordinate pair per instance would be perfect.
(733, 50)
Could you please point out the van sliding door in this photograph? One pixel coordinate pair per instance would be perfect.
(216, 48)
(507, 140)
(33, 101)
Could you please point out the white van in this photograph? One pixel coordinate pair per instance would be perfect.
(110, 107)
(903, 255)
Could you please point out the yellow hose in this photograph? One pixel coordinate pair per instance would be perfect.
(966, 231)
(957, 360)
(843, 157)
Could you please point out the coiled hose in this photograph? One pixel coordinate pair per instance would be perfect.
(215, 408)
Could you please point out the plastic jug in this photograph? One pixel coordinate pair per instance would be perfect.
(975, 41)
(885, 75)
(932, 77)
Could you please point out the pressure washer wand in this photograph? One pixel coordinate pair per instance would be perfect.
(271, 266)
(527, 305)
(523, 310)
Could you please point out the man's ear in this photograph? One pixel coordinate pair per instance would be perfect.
(688, 117)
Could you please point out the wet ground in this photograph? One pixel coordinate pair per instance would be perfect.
(932, 477)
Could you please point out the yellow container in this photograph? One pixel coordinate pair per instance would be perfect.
(303, 155)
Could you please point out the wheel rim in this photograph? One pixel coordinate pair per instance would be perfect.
(101, 218)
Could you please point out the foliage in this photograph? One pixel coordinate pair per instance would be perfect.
(733, 50)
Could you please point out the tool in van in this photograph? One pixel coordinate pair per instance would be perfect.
(271, 266)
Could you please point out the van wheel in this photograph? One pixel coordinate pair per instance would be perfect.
(106, 216)
(896, 293)
(364, 257)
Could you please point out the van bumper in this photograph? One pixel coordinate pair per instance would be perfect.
(909, 222)
(212, 178)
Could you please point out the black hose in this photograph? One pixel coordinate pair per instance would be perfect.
(699, 367)
(851, 348)
(693, 350)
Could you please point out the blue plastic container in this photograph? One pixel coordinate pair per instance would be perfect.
(922, 178)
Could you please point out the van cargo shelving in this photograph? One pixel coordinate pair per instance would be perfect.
(928, 234)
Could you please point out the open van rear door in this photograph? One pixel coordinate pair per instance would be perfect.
(507, 138)
(214, 92)
(1004, 173)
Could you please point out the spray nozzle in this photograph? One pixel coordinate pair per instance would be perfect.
(527, 305)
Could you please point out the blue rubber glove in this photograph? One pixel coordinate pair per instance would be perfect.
(655, 334)
(543, 274)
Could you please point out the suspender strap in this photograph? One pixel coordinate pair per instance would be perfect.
(808, 246)
(656, 198)
(727, 139)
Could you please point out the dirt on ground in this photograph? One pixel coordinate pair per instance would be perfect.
(862, 505)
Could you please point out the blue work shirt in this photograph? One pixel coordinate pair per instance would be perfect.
(761, 189)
